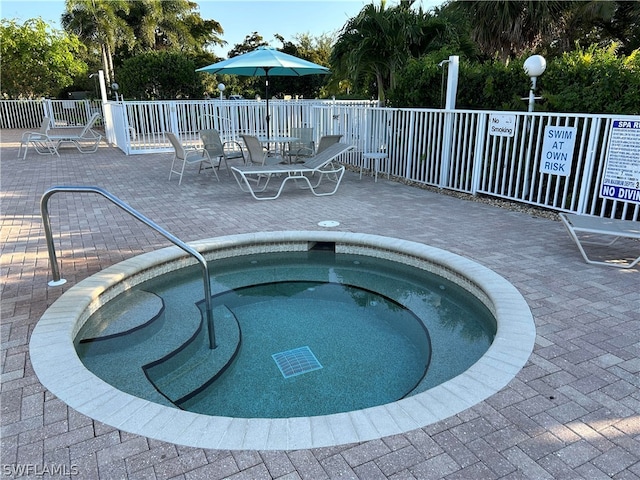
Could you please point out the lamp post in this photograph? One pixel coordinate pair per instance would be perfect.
(114, 88)
(534, 66)
(221, 88)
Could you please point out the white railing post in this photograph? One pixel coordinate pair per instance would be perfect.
(478, 152)
(589, 162)
(174, 125)
(411, 146)
(450, 105)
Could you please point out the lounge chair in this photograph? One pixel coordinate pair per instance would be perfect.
(40, 140)
(581, 227)
(214, 147)
(327, 140)
(86, 140)
(324, 142)
(187, 157)
(257, 154)
(322, 166)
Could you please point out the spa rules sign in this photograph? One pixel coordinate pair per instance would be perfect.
(622, 171)
(557, 150)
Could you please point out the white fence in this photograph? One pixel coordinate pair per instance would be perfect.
(457, 150)
(28, 114)
(145, 123)
(451, 149)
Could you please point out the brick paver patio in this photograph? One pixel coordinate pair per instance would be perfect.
(573, 412)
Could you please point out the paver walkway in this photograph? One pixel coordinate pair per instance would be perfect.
(573, 412)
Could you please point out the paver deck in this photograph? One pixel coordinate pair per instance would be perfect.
(573, 412)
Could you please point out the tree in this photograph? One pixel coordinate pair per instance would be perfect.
(171, 25)
(122, 28)
(36, 61)
(250, 43)
(97, 24)
(600, 22)
(313, 49)
(378, 41)
(506, 28)
(160, 75)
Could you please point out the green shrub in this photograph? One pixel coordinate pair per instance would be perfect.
(595, 80)
(159, 76)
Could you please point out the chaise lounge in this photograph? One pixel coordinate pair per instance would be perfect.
(256, 179)
(582, 227)
(86, 140)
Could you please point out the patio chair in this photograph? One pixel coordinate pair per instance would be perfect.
(321, 166)
(303, 147)
(214, 147)
(325, 141)
(40, 140)
(187, 156)
(581, 227)
(257, 155)
(86, 140)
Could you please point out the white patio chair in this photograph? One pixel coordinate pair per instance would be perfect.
(303, 147)
(215, 148)
(257, 155)
(186, 156)
(40, 140)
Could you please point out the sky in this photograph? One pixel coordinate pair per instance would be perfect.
(238, 18)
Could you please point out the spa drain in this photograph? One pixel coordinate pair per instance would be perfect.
(296, 362)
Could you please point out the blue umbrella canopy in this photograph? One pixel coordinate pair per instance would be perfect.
(263, 62)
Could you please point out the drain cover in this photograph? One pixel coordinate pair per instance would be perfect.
(296, 362)
(328, 223)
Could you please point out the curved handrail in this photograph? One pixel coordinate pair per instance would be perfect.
(44, 210)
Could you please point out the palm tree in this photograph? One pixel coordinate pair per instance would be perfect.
(507, 28)
(97, 23)
(171, 25)
(378, 41)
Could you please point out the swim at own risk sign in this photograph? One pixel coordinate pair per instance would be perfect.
(621, 180)
(557, 150)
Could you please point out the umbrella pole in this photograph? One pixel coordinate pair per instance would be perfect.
(266, 89)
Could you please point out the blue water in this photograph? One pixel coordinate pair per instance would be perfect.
(379, 330)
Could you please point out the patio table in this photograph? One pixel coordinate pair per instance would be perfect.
(279, 142)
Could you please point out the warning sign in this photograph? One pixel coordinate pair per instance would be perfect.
(621, 179)
(557, 150)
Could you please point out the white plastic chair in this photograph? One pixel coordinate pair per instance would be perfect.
(215, 148)
(186, 156)
(40, 140)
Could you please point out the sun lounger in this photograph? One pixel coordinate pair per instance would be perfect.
(310, 175)
(582, 228)
(40, 140)
(86, 140)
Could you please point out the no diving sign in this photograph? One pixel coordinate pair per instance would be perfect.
(557, 150)
(621, 179)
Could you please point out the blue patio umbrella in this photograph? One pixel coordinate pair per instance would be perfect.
(265, 62)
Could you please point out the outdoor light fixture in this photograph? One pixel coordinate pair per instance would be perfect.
(95, 82)
(534, 66)
(221, 87)
(115, 87)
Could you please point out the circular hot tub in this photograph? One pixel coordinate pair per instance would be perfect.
(70, 321)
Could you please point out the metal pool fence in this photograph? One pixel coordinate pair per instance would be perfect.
(499, 154)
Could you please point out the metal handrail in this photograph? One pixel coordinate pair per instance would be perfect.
(44, 210)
